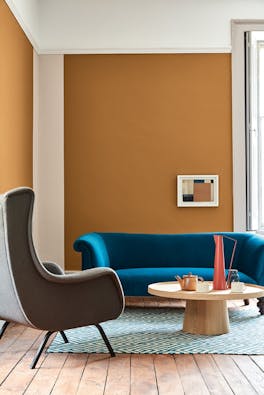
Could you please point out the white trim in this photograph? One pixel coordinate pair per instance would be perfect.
(163, 49)
(48, 156)
(239, 27)
(35, 227)
(11, 4)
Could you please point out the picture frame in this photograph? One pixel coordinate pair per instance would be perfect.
(197, 191)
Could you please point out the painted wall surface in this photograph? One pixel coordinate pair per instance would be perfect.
(78, 26)
(16, 103)
(132, 124)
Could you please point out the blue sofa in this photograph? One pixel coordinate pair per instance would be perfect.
(142, 259)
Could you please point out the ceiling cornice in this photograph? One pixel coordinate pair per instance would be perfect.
(27, 30)
(167, 50)
(118, 27)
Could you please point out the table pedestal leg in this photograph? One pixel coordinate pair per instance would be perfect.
(206, 317)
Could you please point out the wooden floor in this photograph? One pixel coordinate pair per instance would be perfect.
(90, 374)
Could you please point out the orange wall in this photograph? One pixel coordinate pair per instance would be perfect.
(16, 103)
(132, 123)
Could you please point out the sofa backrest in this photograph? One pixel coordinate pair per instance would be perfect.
(128, 250)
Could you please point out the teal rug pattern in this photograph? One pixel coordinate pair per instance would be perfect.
(159, 331)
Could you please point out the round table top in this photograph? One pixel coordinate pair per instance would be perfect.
(172, 289)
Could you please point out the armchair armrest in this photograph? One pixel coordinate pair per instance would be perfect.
(80, 277)
(77, 299)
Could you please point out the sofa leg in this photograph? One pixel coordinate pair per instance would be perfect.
(246, 302)
(260, 305)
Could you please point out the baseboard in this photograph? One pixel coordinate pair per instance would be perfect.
(152, 301)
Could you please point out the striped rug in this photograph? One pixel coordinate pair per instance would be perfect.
(159, 331)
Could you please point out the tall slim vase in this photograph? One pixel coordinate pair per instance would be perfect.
(219, 281)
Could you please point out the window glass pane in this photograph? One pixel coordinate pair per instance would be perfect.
(261, 130)
(255, 129)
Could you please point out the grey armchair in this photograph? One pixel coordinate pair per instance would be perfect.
(40, 295)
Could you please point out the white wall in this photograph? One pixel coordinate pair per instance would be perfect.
(48, 157)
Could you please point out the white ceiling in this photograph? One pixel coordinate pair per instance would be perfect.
(110, 26)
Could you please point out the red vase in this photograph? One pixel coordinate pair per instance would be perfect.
(219, 282)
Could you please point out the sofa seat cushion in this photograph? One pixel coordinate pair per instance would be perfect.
(135, 281)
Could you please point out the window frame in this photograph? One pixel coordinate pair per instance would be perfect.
(238, 29)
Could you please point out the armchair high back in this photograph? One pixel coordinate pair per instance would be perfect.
(39, 296)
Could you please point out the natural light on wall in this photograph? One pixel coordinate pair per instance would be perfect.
(255, 129)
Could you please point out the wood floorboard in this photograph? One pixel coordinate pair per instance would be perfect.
(213, 378)
(94, 376)
(253, 373)
(168, 378)
(190, 375)
(12, 356)
(118, 378)
(70, 376)
(259, 360)
(21, 375)
(234, 376)
(99, 374)
(46, 375)
(143, 378)
(10, 336)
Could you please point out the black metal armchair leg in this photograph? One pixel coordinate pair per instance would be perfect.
(64, 337)
(260, 305)
(41, 348)
(107, 343)
(2, 330)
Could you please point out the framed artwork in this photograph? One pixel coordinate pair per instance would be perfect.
(197, 191)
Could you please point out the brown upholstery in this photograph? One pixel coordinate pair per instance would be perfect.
(42, 296)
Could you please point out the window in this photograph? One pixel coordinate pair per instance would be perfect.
(248, 124)
(254, 76)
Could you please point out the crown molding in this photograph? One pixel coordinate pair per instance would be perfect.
(23, 25)
(159, 50)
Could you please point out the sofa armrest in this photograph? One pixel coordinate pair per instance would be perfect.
(252, 258)
(93, 250)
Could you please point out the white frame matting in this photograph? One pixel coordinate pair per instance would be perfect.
(206, 203)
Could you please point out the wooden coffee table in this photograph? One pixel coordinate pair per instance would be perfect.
(206, 312)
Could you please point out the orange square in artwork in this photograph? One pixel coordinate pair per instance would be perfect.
(202, 192)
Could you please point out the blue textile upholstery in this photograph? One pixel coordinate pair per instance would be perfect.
(142, 259)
